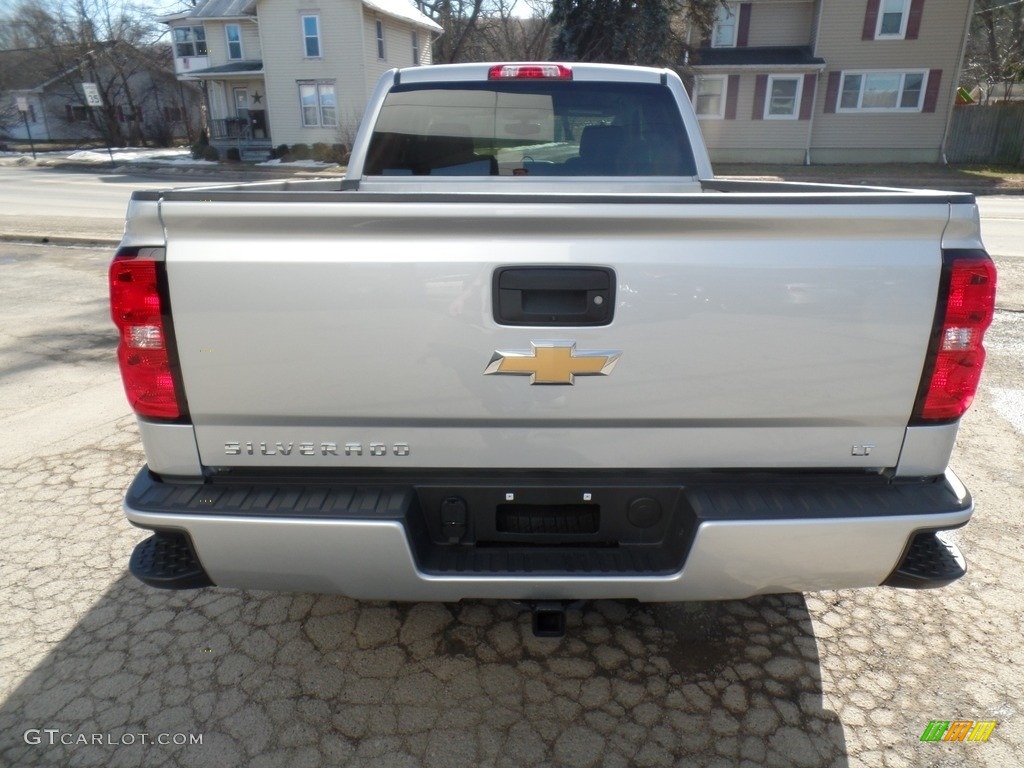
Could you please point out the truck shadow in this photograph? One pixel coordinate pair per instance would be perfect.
(288, 679)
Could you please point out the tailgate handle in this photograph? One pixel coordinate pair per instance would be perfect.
(553, 295)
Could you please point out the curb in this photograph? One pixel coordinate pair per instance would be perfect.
(84, 241)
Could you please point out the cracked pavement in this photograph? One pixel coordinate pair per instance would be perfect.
(847, 678)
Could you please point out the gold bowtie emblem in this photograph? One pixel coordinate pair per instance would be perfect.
(552, 362)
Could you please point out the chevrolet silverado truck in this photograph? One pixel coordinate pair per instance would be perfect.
(531, 348)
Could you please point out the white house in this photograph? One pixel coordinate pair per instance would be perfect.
(293, 71)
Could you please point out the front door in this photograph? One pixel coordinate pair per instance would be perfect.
(240, 96)
(241, 103)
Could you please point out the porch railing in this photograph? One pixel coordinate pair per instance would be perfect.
(237, 132)
(230, 128)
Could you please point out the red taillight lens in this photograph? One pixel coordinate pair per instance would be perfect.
(956, 356)
(142, 352)
(530, 72)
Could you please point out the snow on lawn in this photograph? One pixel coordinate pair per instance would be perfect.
(180, 156)
(298, 163)
(176, 156)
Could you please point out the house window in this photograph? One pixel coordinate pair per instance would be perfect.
(882, 91)
(234, 35)
(783, 102)
(723, 33)
(380, 39)
(415, 47)
(892, 20)
(32, 113)
(710, 96)
(174, 114)
(311, 35)
(74, 113)
(319, 107)
(125, 115)
(189, 41)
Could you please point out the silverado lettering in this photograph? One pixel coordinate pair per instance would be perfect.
(250, 448)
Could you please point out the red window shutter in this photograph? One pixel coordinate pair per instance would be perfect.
(931, 94)
(914, 19)
(832, 93)
(870, 20)
(731, 97)
(743, 33)
(760, 89)
(807, 97)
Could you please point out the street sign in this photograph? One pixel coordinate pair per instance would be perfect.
(23, 107)
(92, 95)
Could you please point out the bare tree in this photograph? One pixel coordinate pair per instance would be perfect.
(623, 31)
(517, 30)
(105, 42)
(648, 32)
(458, 18)
(995, 49)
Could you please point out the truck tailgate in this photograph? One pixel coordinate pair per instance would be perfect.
(355, 330)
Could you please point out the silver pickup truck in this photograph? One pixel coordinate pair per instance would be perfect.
(530, 348)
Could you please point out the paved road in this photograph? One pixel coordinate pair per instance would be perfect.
(827, 679)
(1002, 228)
(50, 203)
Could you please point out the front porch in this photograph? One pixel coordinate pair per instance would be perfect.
(242, 133)
(236, 98)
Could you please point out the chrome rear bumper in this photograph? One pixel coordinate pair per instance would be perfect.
(735, 540)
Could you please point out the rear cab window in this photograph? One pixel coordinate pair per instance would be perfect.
(529, 129)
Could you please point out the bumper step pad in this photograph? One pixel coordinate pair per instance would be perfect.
(167, 561)
(562, 539)
(930, 562)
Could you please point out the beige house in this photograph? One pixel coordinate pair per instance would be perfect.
(830, 81)
(293, 71)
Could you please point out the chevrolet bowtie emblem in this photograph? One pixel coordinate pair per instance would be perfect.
(552, 362)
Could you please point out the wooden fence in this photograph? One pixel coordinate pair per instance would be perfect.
(989, 134)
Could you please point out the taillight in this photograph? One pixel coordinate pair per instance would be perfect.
(530, 72)
(967, 299)
(143, 352)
